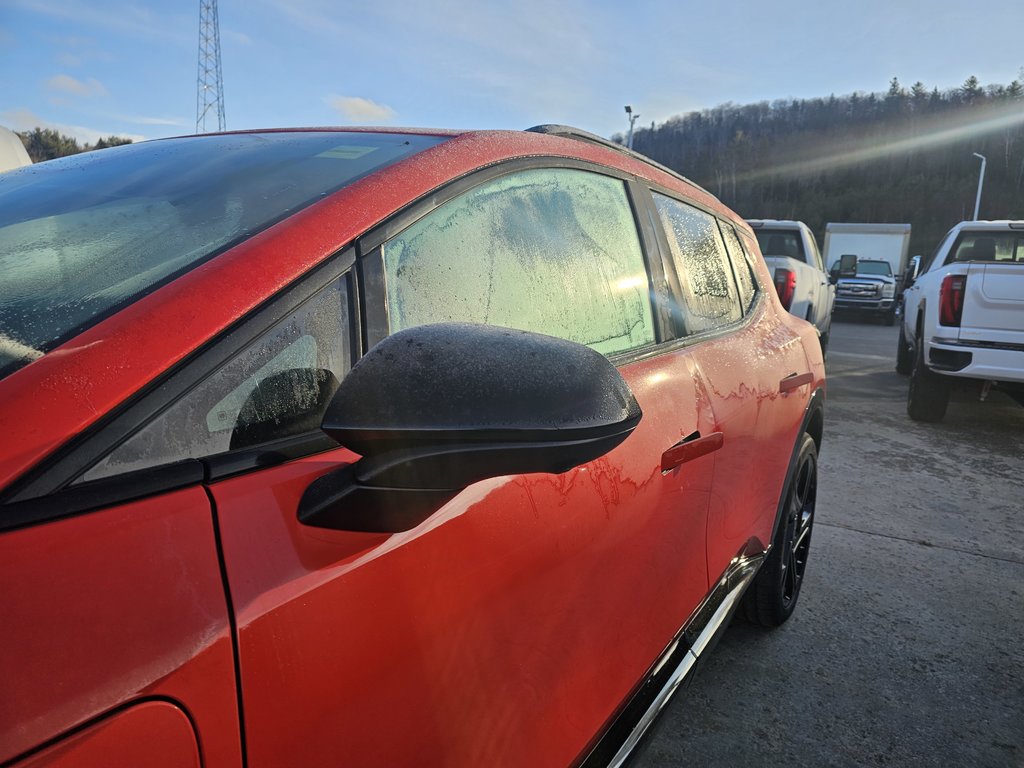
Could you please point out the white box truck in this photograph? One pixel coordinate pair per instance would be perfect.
(873, 242)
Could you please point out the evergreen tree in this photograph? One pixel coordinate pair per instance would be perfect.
(971, 91)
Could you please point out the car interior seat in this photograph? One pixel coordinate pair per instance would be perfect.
(984, 249)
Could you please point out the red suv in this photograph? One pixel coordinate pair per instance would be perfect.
(389, 448)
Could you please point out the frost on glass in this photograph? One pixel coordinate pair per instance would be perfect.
(82, 236)
(704, 272)
(740, 267)
(549, 251)
(213, 417)
(61, 270)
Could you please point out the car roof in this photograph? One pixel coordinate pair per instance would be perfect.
(993, 225)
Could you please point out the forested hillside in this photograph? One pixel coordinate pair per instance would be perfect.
(902, 156)
(47, 144)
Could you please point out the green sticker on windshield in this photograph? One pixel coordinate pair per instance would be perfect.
(347, 152)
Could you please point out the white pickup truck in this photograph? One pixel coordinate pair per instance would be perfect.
(793, 258)
(963, 317)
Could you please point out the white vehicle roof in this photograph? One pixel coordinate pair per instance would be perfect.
(1000, 224)
(12, 151)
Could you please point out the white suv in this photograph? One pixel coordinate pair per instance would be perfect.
(799, 273)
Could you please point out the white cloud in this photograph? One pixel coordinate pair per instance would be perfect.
(68, 84)
(234, 36)
(176, 122)
(360, 110)
(26, 120)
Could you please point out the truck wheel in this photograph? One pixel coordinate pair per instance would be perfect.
(772, 596)
(928, 394)
(889, 318)
(904, 358)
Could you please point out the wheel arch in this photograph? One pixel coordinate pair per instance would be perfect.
(813, 424)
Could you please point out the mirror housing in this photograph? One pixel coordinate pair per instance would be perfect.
(435, 408)
(848, 265)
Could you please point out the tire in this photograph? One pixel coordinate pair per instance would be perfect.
(904, 357)
(889, 318)
(823, 340)
(928, 394)
(772, 596)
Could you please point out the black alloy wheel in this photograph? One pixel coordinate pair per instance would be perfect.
(770, 600)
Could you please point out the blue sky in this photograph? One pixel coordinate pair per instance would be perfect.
(94, 67)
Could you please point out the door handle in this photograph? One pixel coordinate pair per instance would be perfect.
(691, 447)
(795, 380)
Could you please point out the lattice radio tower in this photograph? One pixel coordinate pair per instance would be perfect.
(210, 86)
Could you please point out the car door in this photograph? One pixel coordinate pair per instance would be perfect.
(116, 635)
(743, 352)
(508, 627)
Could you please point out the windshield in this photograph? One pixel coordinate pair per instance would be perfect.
(874, 268)
(82, 236)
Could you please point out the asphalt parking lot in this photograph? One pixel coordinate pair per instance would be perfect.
(907, 647)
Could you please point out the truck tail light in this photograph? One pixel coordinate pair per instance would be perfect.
(951, 299)
(785, 286)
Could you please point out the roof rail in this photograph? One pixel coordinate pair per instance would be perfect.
(568, 132)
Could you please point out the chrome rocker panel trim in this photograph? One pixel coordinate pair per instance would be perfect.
(676, 664)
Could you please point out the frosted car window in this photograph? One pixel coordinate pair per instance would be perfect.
(276, 387)
(554, 251)
(82, 236)
(740, 267)
(705, 276)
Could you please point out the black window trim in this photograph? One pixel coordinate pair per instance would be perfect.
(45, 492)
(370, 245)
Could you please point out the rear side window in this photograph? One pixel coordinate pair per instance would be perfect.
(781, 242)
(747, 288)
(705, 275)
(553, 251)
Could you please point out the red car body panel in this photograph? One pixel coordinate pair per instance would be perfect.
(112, 607)
(742, 373)
(505, 629)
(435, 638)
(155, 734)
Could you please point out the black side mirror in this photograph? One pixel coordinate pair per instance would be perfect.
(435, 408)
(848, 265)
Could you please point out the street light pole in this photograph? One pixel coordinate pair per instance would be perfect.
(981, 182)
(632, 117)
